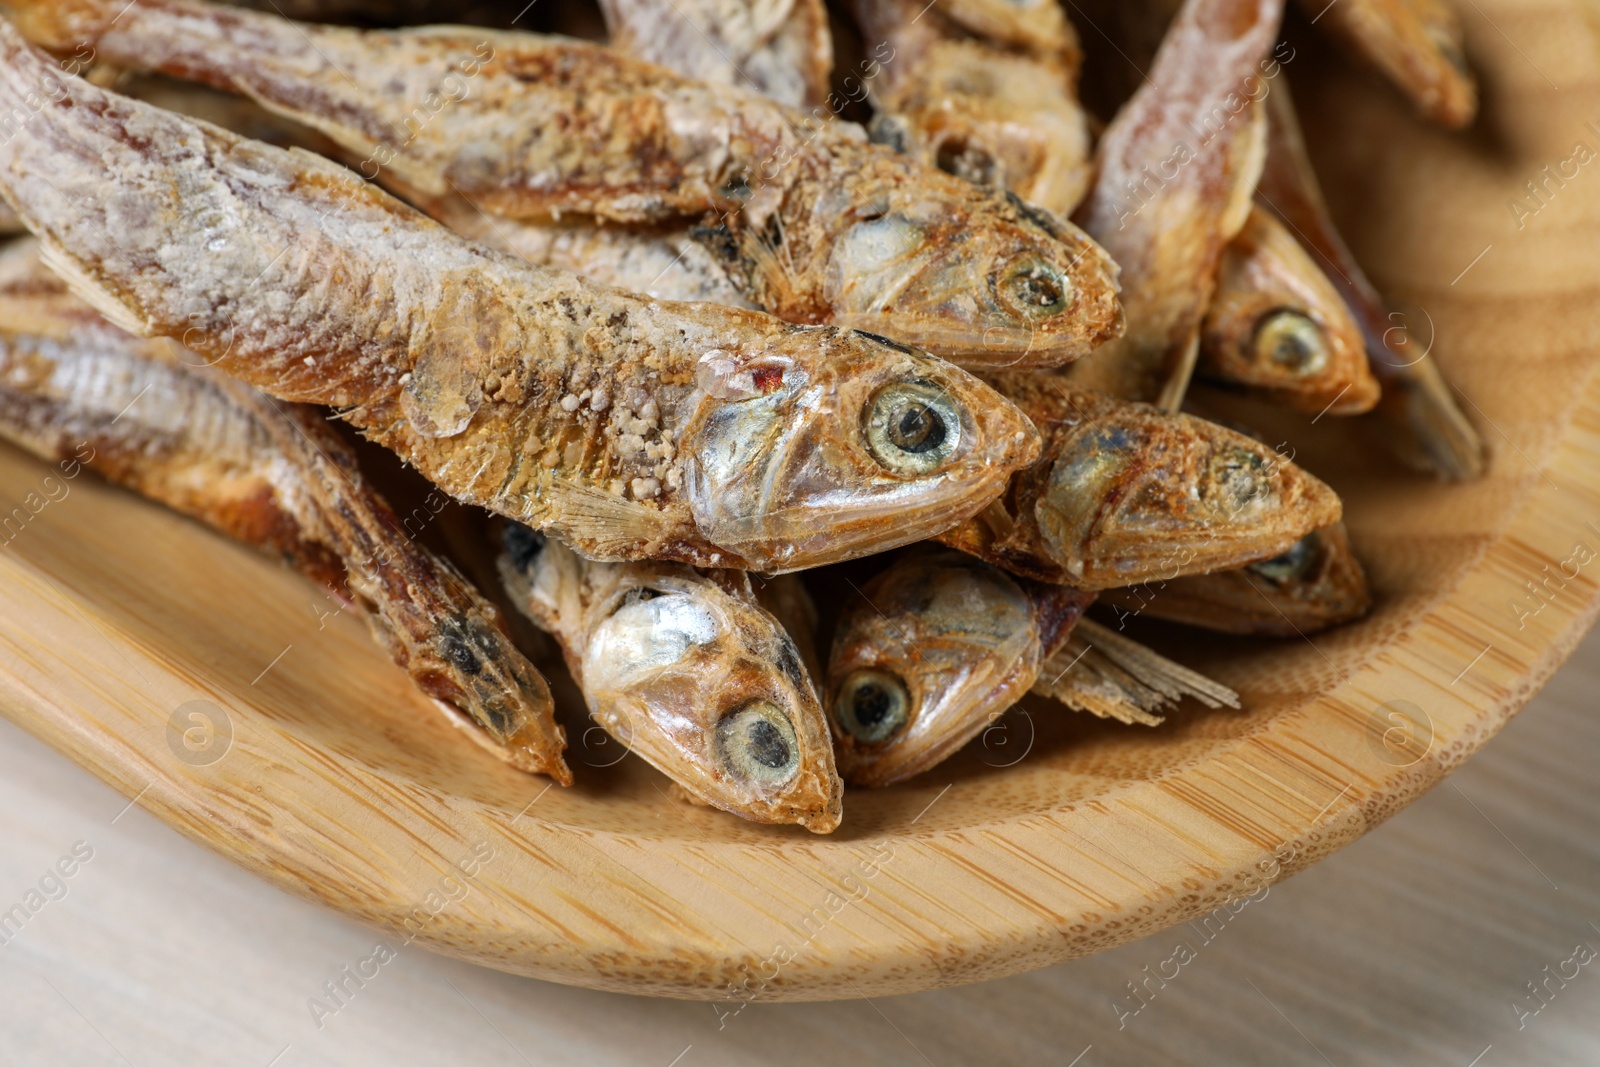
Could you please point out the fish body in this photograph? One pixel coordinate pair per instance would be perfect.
(1316, 584)
(1127, 489)
(1416, 44)
(1177, 167)
(1422, 422)
(996, 115)
(1276, 326)
(149, 415)
(815, 223)
(688, 670)
(941, 645)
(779, 48)
(630, 427)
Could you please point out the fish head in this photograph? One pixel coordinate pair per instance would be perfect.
(827, 444)
(1317, 582)
(1276, 324)
(982, 279)
(685, 669)
(941, 646)
(1011, 124)
(1134, 494)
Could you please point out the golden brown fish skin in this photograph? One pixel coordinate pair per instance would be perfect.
(1422, 423)
(1316, 584)
(1416, 44)
(782, 50)
(1277, 327)
(688, 670)
(985, 112)
(817, 224)
(75, 388)
(940, 646)
(1125, 493)
(631, 427)
(1176, 169)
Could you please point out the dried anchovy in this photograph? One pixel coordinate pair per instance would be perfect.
(1424, 426)
(818, 225)
(688, 670)
(1417, 46)
(1126, 493)
(630, 427)
(148, 415)
(997, 116)
(1276, 326)
(1316, 584)
(1177, 167)
(780, 48)
(940, 645)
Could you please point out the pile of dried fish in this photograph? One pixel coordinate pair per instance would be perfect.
(687, 329)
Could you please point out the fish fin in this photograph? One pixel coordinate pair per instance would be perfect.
(89, 290)
(603, 526)
(768, 261)
(1115, 677)
(1083, 678)
(1155, 670)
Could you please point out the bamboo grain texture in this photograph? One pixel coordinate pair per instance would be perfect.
(341, 784)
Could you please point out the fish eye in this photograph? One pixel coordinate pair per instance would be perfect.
(912, 427)
(1441, 39)
(1240, 478)
(872, 706)
(1294, 563)
(522, 544)
(962, 158)
(1290, 341)
(1033, 288)
(757, 743)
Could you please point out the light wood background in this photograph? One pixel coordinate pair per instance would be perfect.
(1409, 946)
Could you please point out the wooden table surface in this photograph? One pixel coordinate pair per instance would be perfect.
(1415, 945)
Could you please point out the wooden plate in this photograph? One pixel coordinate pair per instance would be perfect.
(209, 685)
